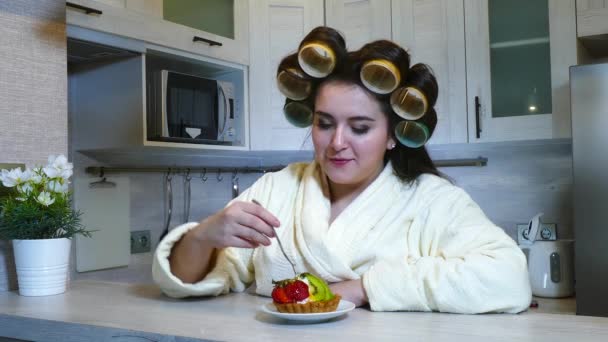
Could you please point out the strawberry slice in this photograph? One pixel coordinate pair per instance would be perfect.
(297, 290)
(279, 295)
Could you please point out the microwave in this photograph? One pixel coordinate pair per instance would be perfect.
(195, 109)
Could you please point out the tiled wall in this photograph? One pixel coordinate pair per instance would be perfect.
(33, 95)
(520, 180)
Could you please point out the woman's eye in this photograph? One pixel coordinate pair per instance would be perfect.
(360, 130)
(323, 125)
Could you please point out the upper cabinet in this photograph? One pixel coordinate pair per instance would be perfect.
(213, 28)
(277, 27)
(433, 33)
(591, 17)
(592, 28)
(517, 59)
(360, 21)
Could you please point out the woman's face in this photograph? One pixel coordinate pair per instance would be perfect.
(349, 133)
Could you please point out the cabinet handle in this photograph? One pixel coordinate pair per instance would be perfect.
(205, 40)
(87, 10)
(477, 126)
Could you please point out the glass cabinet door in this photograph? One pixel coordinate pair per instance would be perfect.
(213, 16)
(509, 86)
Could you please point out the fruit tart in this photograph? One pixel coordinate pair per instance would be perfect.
(304, 294)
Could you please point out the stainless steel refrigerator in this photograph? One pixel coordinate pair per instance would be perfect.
(589, 98)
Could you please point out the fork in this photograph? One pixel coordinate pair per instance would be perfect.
(293, 266)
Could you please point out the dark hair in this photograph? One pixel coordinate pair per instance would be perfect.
(408, 163)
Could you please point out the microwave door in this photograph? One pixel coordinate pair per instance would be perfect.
(164, 114)
(190, 107)
(222, 113)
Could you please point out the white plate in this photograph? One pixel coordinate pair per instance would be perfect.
(343, 307)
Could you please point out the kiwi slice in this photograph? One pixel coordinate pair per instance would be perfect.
(319, 290)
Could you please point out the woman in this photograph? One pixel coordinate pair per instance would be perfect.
(371, 214)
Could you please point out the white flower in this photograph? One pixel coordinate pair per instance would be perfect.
(58, 167)
(45, 199)
(25, 188)
(36, 176)
(56, 186)
(21, 199)
(15, 177)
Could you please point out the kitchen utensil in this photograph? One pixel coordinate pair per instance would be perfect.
(235, 185)
(187, 196)
(168, 203)
(550, 263)
(293, 266)
(105, 209)
(551, 267)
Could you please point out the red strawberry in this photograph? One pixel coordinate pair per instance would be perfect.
(279, 295)
(297, 290)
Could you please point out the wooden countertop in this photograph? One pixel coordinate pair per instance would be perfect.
(238, 317)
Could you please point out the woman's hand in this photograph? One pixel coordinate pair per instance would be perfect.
(351, 290)
(241, 224)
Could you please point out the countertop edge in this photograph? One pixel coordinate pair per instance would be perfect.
(19, 327)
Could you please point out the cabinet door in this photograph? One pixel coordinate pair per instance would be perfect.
(152, 8)
(433, 33)
(517, 57)
(361, 21)
(591, 17)
(277, 27)
(160, 22)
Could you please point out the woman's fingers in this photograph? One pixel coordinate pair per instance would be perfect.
(238, 242)
(251, 235)
(254, 222)
(262, 213)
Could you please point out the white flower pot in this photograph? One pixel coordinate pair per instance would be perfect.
(42, 266)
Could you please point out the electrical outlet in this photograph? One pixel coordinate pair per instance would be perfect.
(546, 231)
(140, 241)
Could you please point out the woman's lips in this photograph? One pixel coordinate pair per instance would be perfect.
(339, 161)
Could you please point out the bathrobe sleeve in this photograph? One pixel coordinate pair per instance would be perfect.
(233, 268)
(458, 261)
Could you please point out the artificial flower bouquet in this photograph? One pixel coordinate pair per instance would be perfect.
(38, 205)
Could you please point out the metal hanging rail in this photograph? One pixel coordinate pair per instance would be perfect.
(101, 170)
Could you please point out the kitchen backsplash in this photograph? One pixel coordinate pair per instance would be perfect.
(519, 180)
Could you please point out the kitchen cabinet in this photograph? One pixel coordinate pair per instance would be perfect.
(433, 33)
(360, 21)
(591, 17)
(183, 24)
(490, 50)
(517, 59)
(152, 8)
(114, 98)
(277, 27)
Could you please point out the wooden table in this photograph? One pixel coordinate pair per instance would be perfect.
(100, 311)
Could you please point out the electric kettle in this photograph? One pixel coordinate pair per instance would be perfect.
(550, 265)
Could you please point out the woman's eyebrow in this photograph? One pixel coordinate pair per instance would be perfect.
(326, 115)
(353, 118)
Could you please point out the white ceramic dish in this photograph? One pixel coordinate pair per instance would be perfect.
(343, 307)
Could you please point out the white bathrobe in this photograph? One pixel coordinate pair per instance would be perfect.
(424, 246)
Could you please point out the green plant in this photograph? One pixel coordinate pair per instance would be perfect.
(39, 205)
